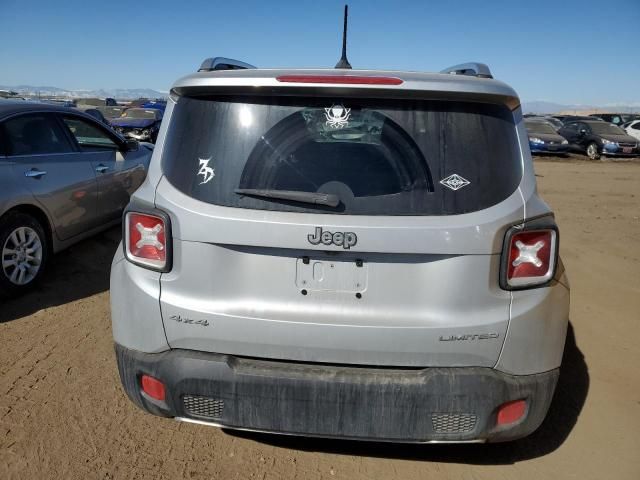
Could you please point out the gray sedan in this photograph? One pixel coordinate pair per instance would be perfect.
(63, 176)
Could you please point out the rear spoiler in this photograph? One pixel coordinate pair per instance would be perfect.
(222, 63)
(473, 69)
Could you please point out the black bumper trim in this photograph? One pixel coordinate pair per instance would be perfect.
(385, 404)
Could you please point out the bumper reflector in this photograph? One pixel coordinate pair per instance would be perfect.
(511, 412)
(152, 387)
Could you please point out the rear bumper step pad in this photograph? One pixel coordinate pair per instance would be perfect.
(386, 404)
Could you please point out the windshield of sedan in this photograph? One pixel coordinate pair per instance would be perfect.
(141, 113)
(539, 127)
(602, 128)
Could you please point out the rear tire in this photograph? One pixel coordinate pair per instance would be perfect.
(24, 252)
(592, 151)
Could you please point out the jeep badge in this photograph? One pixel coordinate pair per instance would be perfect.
(344, 239)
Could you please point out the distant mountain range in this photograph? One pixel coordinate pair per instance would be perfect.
(120, 93)
(550, 107)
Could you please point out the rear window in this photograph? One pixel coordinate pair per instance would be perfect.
(374, 157)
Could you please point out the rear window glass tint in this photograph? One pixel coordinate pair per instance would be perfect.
(380, 157)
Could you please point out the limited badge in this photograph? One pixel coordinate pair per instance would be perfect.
(205, 170)
(455, 182)
(337, 116)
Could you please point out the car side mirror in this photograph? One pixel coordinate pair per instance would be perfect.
(131, 145)
(583, 132)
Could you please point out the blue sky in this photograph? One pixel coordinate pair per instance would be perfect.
(581, 51)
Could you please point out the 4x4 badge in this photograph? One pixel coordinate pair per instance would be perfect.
(455, 182)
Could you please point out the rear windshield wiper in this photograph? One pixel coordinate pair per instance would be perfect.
(328, 199)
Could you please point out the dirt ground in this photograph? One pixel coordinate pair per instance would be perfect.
(63, 414)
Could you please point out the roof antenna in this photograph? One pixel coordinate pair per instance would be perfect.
(344, 63)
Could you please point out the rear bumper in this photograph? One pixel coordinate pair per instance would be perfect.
(399, 405)
(545, 148)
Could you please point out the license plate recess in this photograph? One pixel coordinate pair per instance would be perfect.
(330, 275)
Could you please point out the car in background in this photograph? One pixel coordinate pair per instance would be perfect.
(93, 107)
(616, 118)
(137, 103)
(63, 176)
(140, 124)
(555, 123)
(56, 101)
(112, 112)
(564, 118)
(576, 118)
(10, 94)
(596, 138)
(95, 102)
(632, 128)
(160, 105)
(97, 114)
(543, 138)
(148, 103)
(12, 98)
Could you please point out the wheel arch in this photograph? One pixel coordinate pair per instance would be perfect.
(37, 213)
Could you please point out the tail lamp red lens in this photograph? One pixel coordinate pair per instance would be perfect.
(146, 240)
(511, 412)
(152, 387)
(340, 79)
(531, 257)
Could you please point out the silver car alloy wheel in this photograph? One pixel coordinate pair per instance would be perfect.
(592, 151)
(22, 255)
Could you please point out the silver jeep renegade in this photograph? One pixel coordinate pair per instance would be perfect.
(342, 253)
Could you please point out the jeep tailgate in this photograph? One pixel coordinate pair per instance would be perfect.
(422, 292)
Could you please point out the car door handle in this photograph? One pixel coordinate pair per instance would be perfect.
(101, 168)
(34, 173)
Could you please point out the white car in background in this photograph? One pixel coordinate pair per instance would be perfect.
(633, 128)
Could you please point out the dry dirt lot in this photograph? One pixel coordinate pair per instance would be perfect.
(63, 414)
